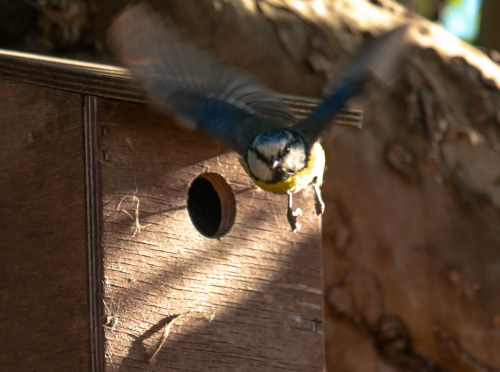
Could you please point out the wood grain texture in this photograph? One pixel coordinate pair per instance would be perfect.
(250, 301)
(43, 289)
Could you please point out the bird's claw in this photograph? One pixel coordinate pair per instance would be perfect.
(318, 201)
(292, 218)
(320, 207)
(292, 215)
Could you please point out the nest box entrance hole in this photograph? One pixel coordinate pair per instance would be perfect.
(211, 205)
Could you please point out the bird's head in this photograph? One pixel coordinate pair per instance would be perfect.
(276, 155)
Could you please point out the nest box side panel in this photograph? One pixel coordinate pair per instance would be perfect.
(43, 270)
(249, 301)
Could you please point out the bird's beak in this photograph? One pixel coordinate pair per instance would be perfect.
(274, 164)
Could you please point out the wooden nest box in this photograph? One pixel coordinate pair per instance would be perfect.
(110, 217)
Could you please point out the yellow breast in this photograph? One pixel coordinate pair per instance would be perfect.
(314, 169)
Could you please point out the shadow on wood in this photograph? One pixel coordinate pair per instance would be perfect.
(253, 297)
(100, 253)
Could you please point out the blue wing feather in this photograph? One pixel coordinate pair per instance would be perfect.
(181, 78)
(378, 61)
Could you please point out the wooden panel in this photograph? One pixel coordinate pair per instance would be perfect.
(43, 288)
(249, 301)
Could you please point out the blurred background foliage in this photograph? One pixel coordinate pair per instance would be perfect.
(460, 17)
(474, 21)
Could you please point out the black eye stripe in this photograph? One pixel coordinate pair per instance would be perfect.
(291, 143)
(259, 155)
(294, 141)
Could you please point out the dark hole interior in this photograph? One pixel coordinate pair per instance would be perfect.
(204, 207)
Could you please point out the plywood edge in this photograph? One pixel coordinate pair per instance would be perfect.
(115, 82)
(93, 205)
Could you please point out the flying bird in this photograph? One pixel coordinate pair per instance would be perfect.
(279, 153)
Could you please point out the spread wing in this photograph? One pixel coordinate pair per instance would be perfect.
(189, 82)
(378, 61)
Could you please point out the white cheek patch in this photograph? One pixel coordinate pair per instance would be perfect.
(258, 168)
(296, 159)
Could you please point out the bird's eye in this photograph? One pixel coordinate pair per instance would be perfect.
(287, 150)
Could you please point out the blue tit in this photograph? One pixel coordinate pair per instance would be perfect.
(280, 155)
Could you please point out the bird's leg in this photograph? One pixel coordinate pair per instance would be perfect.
(292, 215)
(318, 201)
